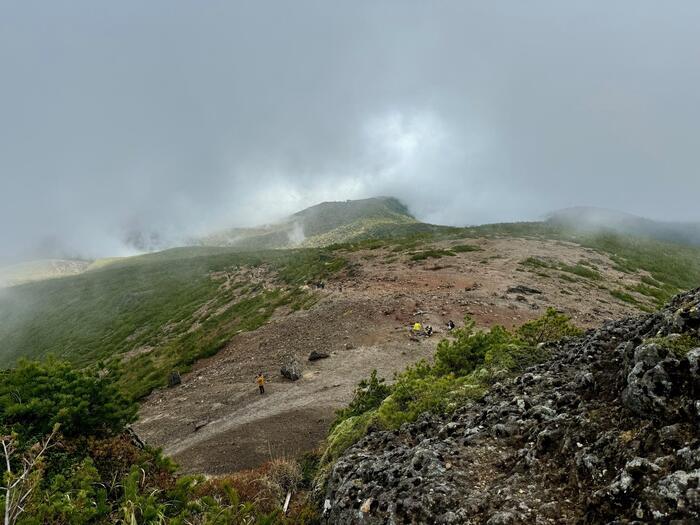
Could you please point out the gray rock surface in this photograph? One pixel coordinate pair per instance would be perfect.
(315, 356)
(291, 369)
(522, 289)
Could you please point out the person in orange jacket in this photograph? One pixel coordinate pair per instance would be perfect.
(260, 380)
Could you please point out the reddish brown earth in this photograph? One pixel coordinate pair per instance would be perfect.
(216, 422)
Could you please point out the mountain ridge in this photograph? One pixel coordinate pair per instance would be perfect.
(589, 218)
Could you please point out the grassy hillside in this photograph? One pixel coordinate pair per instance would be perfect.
(165, 309)
(320, 225)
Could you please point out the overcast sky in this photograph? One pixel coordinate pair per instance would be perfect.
(179, 117)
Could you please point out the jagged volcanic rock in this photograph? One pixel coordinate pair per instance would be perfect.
(606, 431)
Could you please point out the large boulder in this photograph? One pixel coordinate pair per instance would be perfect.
(174, 378)
(522, 289)
(291, 369)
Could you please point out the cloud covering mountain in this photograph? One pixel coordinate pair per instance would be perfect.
(163, 120)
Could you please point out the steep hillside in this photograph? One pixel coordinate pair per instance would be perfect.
(603, 430)
(150, 314)
(324, 224)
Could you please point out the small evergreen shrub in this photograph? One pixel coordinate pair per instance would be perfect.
(369, 394)
(35, 396)
(552, 326)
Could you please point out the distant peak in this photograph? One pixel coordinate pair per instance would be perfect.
(369, 205)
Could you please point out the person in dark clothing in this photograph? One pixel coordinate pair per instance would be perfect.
(450, 325)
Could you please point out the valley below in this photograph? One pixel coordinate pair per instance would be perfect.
(563, 394)
(215, 422)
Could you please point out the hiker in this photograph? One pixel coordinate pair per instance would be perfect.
(428, 331)
(450, 325)
(261, 382)
(417, 328)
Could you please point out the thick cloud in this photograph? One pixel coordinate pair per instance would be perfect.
(178, 117)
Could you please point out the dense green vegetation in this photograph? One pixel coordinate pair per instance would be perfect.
(71, 462)
(34, 397)
(464, 366)
(151, 303)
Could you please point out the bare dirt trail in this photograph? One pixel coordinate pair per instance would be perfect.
(238, 427)
(217, 423)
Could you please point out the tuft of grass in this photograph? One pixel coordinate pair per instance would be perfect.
(431, 254)
(567, 278)
(623, 296)
(678, 345)
(581, 271)
(658, 295)
(534, 262)
(465, 248)
(346, 433)
(650, 281)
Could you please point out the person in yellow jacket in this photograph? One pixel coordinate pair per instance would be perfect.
(260, 380)
(417, 327)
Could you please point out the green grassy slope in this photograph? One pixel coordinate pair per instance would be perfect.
(150, 302)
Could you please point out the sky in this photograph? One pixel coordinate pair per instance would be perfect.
(176, 118)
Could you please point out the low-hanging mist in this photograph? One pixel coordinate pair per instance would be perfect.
(130, 126)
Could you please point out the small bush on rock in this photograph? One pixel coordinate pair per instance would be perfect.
(552, 326)
(463, 354)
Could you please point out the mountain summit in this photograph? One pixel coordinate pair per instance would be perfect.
(322, 224)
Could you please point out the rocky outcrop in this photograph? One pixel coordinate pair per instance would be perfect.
(522, 289)
(607, 430)
(291, 368)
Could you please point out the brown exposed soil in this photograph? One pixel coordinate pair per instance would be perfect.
(216, 422)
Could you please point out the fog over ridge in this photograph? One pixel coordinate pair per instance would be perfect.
(174, 119)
